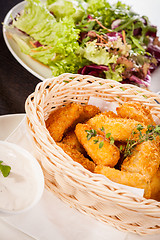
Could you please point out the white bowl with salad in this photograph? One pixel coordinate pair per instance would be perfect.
(21, 179)
(88, 37)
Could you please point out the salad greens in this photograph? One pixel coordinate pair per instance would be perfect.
(89, 37)
(63, 8)
(98, 55)
(58, 39)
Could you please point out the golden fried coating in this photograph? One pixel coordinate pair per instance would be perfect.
(108, 154)
(130, 179)
(110, 114)
(88, 112)
(145, 159)
(155, 186)
(72, 140)
(61, 119)
(119, 128)
(77, 156)
(67, 117)
(136, 111)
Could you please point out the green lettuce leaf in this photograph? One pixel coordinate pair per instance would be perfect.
(23, 42)
(68, 8)
(43, 27)
(107, 13)
(58, 38)
(58, 63)
(98, 55)
(97, 8)
(71, 63)
(36, 21)
(116, 74)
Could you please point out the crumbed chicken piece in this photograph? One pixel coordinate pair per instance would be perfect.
(110, 114)
(155, 186)
(145, 159)
(108, 154)
(119, 128)
(136, 111)
(77, 156)
(63, 118)
(130, 179)
(72, 140)
(88, 112)
(67, 117)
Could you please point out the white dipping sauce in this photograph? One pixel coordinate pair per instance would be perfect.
(20, 188)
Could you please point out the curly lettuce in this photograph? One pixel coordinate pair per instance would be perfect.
(43, 27)
(107, 13)
(67, 8)
(116, 74)
(98, 55)
(58, 39)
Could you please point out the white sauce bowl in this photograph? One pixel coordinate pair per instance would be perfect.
(23, 187)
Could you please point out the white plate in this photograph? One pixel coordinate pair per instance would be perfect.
(8, 123)
(37, 69)
(42, 72)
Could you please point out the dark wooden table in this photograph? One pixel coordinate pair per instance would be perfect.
(16, 83)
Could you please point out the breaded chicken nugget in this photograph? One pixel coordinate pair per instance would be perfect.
(88, 112)
(110, 114)
(77, 156)
(119, 128)
(130, 179)
(155, 186)
(136, 111)
(145, 159)
(107, 154)
(72, 140)
(61, 119)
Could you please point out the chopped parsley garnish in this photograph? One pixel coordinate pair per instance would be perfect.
(5, 169)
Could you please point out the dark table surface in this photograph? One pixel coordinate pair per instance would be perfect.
(16, 83)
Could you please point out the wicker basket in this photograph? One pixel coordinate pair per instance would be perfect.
(88, 192)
